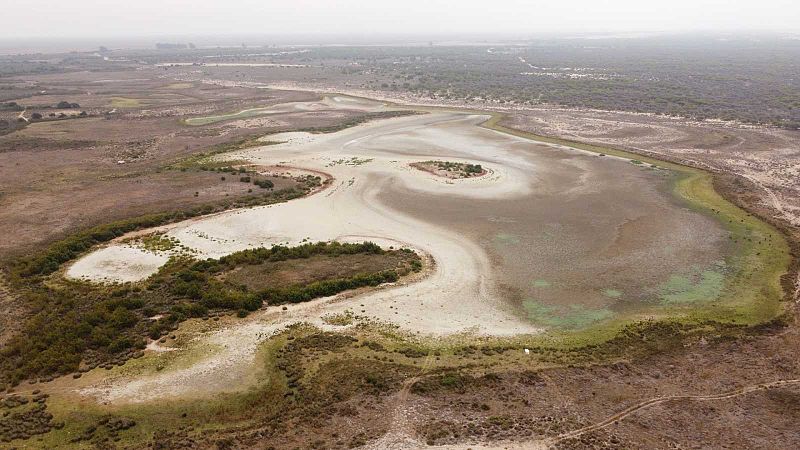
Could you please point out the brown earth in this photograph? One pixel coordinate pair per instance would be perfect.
(529, 405)
(65, 175)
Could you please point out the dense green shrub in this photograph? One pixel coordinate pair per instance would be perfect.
(473, 168)
(265, 184)
(67, 105)
(75, 321)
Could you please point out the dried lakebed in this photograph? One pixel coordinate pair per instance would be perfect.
(552, 239)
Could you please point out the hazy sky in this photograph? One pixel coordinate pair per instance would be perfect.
(98, 18)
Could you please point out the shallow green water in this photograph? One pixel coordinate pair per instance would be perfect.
(571, 317)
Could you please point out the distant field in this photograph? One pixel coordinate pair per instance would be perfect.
(123, 102)
(254, 112)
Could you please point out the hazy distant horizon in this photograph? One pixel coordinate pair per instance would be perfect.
(97, 19)
(85, 44)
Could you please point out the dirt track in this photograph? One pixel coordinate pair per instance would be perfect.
(542, 444)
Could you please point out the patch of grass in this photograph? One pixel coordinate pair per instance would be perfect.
(353, 161)
(158, 242)
(124, 102)
(244, 114)
(340, 320)
(447, 381)
(359, 120)
(319, 267)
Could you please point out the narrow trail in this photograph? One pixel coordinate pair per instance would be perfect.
(401, 432)
(668, 398)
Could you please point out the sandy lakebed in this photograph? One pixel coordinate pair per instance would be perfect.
(551, 237)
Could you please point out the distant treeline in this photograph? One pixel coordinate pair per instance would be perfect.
(704, 77)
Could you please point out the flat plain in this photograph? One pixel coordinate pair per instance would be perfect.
(218, 263)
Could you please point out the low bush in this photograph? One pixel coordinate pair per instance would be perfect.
(264, 184)
(77, 324)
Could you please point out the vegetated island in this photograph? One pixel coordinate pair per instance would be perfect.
(452, 170)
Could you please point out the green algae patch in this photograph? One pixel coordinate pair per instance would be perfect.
(612, 293)
(571, 317)
(694, 288)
